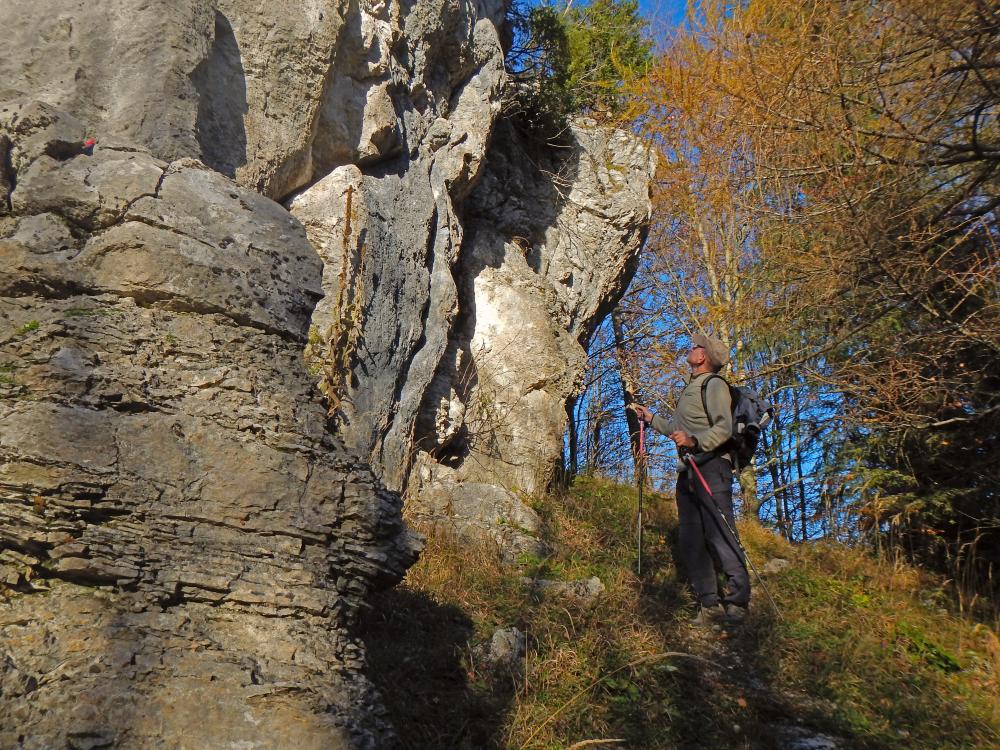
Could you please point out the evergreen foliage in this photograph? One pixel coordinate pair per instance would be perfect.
(566, 58)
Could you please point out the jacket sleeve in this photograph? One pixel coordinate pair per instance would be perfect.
(662, 425)
(720, 410)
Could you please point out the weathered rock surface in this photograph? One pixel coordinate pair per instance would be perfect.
(550, 242)
(464, 350)
(505, 650)
(188, 539)
(391, 237)
(775, 565)
(462, 268)
(452, 339)
(123, 67)
(476, 512)
(185, 534)
(553, 239)
(275, 95)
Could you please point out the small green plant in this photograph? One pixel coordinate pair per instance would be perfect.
(314, 344)
(7, 375)
(918, 645)
(31, 325)
(10, 388)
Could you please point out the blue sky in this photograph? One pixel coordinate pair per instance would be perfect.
(669, 12)
(658, 12)
(663, 16)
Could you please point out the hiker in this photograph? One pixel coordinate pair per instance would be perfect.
(701, 530)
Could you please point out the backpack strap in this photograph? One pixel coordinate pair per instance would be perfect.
(704, 400)
(711, 422)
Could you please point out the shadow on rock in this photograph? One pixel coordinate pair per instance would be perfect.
(418, 656)
(222, 103)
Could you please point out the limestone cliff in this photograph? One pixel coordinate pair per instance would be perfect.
(462, 279)
(181, 534)
(188, 527)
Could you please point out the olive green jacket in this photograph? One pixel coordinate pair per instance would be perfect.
(690, 415)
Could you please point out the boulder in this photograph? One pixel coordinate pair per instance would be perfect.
(481, 514)
(506, 649)
(584, 593)
(775, 565)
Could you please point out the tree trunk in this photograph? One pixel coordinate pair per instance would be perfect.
(748, 491)
(573, 447)
(803, 511)
(629, 386)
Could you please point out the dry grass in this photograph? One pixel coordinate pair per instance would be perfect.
(885, 643)
(866, 650)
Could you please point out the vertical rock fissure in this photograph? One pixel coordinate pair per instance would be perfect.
(222, 101)
(8, 181)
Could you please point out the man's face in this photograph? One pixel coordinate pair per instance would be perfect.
(696, 356)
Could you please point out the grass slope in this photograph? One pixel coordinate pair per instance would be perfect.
(865, 652)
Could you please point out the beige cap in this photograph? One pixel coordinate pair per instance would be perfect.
(715, 350)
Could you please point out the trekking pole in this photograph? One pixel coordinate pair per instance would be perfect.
(689, 460)
(640, 472)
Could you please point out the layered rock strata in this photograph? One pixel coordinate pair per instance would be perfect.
(189, 541)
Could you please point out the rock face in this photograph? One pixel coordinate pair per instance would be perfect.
(551, 240)
(390, 237)
(276, 95)
(187, 526)
(461, 287)
(452, 365)
(187, 536)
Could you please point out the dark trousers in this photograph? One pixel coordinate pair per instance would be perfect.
(702, 532)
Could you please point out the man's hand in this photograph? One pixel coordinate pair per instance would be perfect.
(682, 439)
(642, 412)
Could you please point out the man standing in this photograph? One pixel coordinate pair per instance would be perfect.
(701, 425)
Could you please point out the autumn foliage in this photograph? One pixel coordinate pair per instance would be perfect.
(826, 202)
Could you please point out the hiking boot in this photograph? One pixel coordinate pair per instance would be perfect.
(708, 616)
(735, 614)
